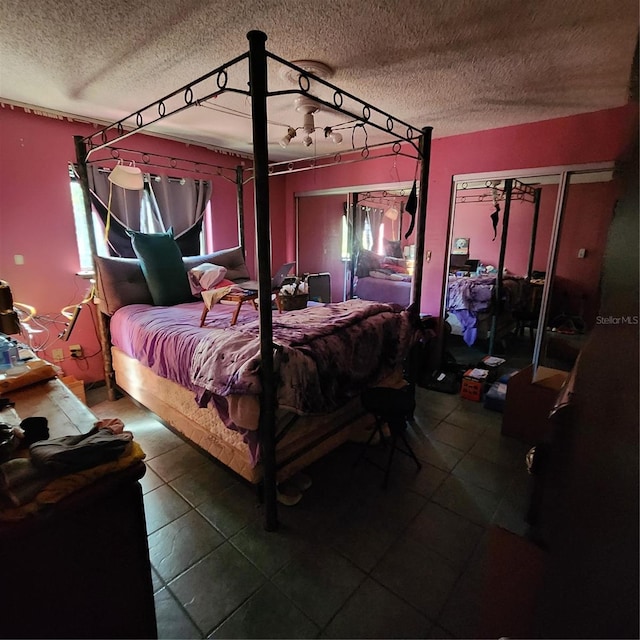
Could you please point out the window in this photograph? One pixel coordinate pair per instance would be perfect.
(345, 252)
(381, 239)
(367, 234)
(82, 229)
(148, 224)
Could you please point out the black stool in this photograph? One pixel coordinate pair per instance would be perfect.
(392, 407)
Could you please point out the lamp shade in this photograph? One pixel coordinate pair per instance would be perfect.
(391, 213)
(127, 177)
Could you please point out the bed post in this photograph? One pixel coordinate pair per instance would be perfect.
(534, 231)
(81, 165)
(497, 306)
(425, 162)
(103, 331)
(355, 249)
(240, 206)
(266, 424)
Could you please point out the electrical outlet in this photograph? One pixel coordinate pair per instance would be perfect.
(75, 351)
(58, 355)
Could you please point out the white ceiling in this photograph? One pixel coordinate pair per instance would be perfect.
(456, 65)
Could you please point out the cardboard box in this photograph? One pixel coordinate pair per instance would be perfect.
(76, 387)
(471, 388)
(529, 402)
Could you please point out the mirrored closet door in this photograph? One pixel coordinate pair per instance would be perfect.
(516, 279)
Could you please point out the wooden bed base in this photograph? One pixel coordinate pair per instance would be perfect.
(308, 439)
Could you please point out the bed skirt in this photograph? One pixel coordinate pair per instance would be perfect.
(307, 440)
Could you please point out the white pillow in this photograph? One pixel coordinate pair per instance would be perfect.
(206, 276)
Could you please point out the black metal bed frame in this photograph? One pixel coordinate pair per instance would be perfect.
(258, 57)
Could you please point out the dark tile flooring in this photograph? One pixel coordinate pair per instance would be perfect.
(351, 560)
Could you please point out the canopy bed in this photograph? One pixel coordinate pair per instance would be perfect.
(284, 429)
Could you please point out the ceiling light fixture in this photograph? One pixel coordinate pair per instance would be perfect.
(334, 136)
(291, 133)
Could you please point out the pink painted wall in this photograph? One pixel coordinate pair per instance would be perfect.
(472, 220)
(322, 218)
(586, 138)
(588, 214)
(36, 219)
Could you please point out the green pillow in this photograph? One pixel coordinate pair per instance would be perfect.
(162, 266)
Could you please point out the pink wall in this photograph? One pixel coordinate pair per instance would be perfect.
(473, 220)
(588, 213)
(36, 219)
(322, 218)
(592, 137)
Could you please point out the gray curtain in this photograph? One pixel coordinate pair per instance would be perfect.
(181, 203)
(170, 202)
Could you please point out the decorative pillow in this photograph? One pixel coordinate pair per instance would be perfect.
(377, 273)
(367, 261)
(393, 249)
(232, 259)
(121, 282)
(162, 266)
(205, 276)
(397, 265)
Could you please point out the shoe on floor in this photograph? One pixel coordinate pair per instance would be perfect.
(288, 494)
(300, 480)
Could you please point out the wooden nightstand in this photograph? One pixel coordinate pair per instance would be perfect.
(81, 568)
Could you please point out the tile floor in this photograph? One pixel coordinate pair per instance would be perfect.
(351, 560)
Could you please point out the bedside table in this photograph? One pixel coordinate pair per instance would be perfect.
(80, 568)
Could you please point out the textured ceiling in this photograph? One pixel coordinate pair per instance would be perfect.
(456, 65)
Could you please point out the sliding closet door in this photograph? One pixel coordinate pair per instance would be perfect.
(320, 225)
(573, 297)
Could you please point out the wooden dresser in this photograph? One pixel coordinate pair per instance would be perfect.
(81, 569)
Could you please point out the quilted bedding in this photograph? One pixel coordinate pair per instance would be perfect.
(324, 355)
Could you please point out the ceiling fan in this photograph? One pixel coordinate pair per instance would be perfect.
(307, 106)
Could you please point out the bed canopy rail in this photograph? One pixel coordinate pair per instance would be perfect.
(159, 161)
(341, 158)
(519, 192)
(198, 91)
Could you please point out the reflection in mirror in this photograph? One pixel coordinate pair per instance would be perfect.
(574, 288)
(532, 293)
(499, 239)
(348, 235)
(383, 246)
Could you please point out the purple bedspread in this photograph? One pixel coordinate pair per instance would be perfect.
(466, 297)
(380, 290)
(324, 355)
